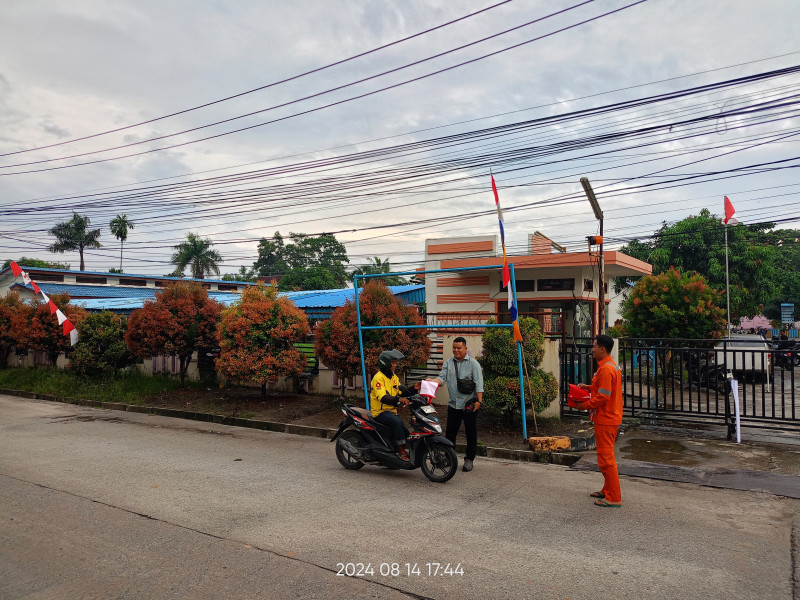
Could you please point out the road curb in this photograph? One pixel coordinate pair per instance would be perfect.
(559, 458)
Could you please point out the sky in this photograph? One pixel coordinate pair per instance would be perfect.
(347, 127)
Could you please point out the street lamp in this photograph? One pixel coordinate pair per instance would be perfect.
(587, 188)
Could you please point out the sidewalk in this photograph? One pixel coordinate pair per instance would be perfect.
(764, 462)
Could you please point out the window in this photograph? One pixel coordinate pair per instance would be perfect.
(139, 282)
(523, 285)
(227, 288)
(166, 364)
(552, 285)
(160, 283)
(351, 383)
(85, 279)
(588, 285)
(47, 277)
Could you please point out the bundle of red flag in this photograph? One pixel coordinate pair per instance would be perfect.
(69, 328)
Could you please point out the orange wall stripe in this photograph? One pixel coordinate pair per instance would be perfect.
(461, 298)
(488, 245)
(462, 281)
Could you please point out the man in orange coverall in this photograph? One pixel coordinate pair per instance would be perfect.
(605, 404)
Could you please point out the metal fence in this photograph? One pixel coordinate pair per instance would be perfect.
(688, 381)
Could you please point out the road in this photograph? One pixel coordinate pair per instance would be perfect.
(107, 504)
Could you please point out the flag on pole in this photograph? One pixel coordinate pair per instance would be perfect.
(506, 274)
(730, 213)
(512, 309)
(68, 327)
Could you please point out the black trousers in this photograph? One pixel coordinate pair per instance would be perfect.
(470, 419)
(399, 431)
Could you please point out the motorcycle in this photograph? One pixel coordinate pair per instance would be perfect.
(361, 440)
(785, 355)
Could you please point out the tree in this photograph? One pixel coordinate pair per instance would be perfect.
(787, 271)
(323, 252)
(674, 305)
(635, 249)
(119, 226)
(14, 317)
(43, 331)
(182, 319)
(311, 278)
(697, 243)
(376, 266)
(243, 274)
(197, 253)
(257, 336)
(102, 350)
(75, 235)
(36, 262)
(336, 339)
(501, 369)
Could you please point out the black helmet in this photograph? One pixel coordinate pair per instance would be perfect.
(385, 361)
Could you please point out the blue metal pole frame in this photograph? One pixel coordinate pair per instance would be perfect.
(513, 291)
(485, 325)
(364, 383)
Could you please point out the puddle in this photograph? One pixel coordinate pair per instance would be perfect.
(669, 452)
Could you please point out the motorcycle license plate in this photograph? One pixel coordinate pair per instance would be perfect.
(428, 409)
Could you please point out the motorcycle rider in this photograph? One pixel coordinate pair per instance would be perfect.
(386, 394)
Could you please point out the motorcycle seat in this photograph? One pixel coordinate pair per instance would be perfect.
(362, 412)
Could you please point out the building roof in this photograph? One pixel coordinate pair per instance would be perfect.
(78, 290)
(32, 270)
(317, 304)
(616, 263)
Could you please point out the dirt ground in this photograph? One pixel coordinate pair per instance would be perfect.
(324, 411)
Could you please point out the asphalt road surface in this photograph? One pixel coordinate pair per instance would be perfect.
(105, 504)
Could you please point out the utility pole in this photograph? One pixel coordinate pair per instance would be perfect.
(601, 295)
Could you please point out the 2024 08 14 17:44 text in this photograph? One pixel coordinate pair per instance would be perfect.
(387, 569)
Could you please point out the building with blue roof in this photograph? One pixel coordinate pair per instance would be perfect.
(123, 293)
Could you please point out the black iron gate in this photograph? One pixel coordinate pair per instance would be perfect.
(689, 381)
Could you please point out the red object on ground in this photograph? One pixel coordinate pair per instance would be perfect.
(576, 395)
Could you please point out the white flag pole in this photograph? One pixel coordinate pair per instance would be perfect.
(727, 281)
(735, 392)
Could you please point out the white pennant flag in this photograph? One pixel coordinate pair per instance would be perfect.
(26, 278)
(73, 337)
(46, 298)
(61, 317)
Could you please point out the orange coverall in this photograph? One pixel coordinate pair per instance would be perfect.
(606, 398)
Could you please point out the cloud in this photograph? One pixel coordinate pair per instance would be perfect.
(83, 68)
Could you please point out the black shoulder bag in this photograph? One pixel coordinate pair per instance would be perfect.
(465, 386)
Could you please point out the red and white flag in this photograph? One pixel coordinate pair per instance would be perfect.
(730, 213)
(68, 327)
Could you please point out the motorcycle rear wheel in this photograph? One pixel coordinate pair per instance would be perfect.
(439, 463)
(344, 457)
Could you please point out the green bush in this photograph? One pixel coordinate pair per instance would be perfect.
(101, 350)
(499, 358)
(501, 369)
(502, 393)
(130, 387)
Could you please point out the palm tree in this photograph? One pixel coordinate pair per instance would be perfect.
(197, 252)
(119, 226)
(74, 235)
(376, 266)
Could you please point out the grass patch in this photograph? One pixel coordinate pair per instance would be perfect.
(129, 387)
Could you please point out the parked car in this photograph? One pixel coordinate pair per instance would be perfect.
(746, 355)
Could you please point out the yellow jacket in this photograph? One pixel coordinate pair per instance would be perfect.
(382, 385)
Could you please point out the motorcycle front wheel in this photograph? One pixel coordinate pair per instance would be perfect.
(344, 457)
(439, 463)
